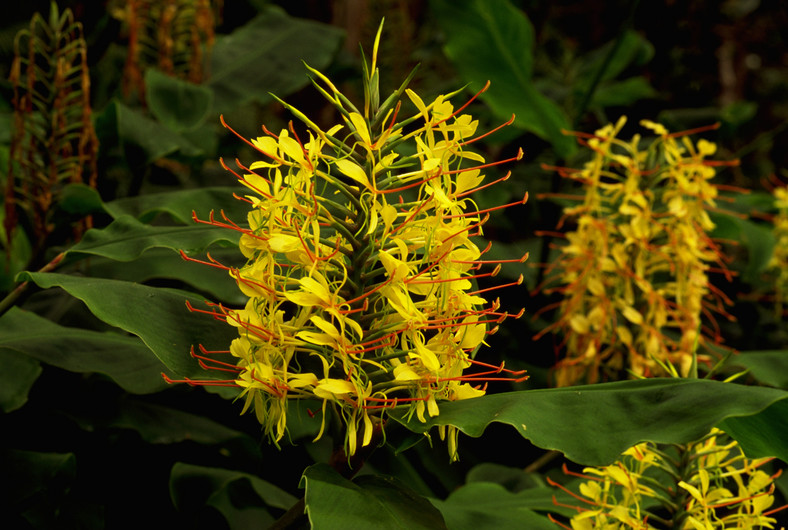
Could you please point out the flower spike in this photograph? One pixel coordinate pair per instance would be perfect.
(364, 304)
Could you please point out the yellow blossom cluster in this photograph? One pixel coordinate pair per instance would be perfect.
(634, 270)
(361, 272)
(706, 485)
(779, 261)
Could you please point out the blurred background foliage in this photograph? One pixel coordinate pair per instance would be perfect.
(97, 440)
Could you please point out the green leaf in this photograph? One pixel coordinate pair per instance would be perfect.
(244, 500)
(178, 104)
(487, 505)
(513, 479)
(767, 367)
(126, 239)
(623, 93)
(163, 425)
(80, 199)
(633, 48)
(159, 263)
(619, 414)
(265, 56)
(125, 359)
(763, 434)
(380, 502)
(158, 316)
(495, 41)
(142, 139)
(14, 257)
(180, 204)
(18, 373)
(34, 480)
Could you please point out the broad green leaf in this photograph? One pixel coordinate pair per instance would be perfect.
(18, 373)
(495, 41)
(487, 505)
(763, 434)
(160, 263)
(157, 424)
(80, 199)
(513, 479)
(266, 56)
(142, 139)
(243, 499)
(124, 359)
(619, 415)
(623, 93)
(369, 501)
(158, 316)
(14, 257)
(176, 103)
(180, 204)
(767, 367)
(633, 48)
(126, 239)
(757, 239)
(29, 475)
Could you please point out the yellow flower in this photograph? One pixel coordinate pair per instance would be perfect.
(708, 484)
(634, 271)
(360, 268)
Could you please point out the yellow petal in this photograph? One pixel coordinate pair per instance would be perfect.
(354, 171)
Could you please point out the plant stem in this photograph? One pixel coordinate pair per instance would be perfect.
(8, 302)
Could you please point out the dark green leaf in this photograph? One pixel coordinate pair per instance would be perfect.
(380, 502)
(30, 474)
(487, 505)
(768, 367)
(763, 434)
(178, 104)
(162, 425)
(80, 199)
(619, 414)
(512, 478)
(633, 49)
(180, 204)
(158, 316)
(126, 239)
(125, 359)
(623, 93)
(17, 375)
(495, 41)
(243, 499)
(164, 264)
(143, 140)
(266, 56)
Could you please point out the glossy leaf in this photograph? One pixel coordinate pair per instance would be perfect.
(176, 103)
(161, 263)
(158, 316)
(244, 500)
(767, 367)
(32, 479)
(266, 56)
(369, 501)
(179, 205)
(158, 424)
(142, 139)
(80, 199)
(124, 359)
(487, 505)
(594, 424)
(126, 239)
(18, 373)
(763, 434)
(495, 41)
